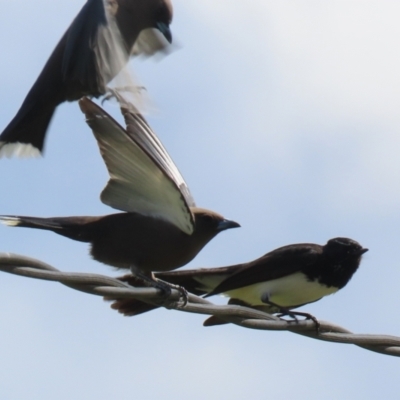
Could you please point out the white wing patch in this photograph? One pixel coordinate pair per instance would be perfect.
(143, 177)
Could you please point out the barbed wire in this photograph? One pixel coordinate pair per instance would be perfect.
(246, 317)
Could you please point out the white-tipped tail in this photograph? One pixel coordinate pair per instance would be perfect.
(10, 221)
(20, 150)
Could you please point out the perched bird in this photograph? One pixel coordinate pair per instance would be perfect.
(162, 229)
(92, 52)
(281, 280)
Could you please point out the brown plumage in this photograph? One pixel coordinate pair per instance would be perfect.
(126, 240)
(162, 229)
(92, 51)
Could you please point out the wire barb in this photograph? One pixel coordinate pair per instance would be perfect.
(246, 317)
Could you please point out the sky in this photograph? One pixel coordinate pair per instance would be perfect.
(282, 116)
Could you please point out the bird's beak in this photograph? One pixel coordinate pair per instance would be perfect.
(227, 224)
(164, 29)
(362, 251)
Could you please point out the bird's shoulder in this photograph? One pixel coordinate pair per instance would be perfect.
(273, 265)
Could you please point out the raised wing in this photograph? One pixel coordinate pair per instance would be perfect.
(95, 51)
(95, 48)
(143, 178)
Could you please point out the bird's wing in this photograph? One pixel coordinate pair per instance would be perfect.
(143, 178)
(94, 49)
(273, 265)
(150, 42)
(199, 281)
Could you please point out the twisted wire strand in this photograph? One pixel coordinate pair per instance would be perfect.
(246, 317)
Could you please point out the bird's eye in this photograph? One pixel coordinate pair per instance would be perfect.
(208, 219)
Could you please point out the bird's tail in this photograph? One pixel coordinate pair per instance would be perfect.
(196, 281)
(24, 135)
(76, 228)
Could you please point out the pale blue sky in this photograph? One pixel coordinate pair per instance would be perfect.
(280, 115)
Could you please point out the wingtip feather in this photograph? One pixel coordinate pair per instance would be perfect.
(88, 107)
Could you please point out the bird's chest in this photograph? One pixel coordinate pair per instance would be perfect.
(287, 291)
(150, 248)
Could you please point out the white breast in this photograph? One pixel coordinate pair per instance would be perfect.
(287, 291)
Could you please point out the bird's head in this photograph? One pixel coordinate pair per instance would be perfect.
(163, 17)
(136, 17)
(341, 249)
(209, 223)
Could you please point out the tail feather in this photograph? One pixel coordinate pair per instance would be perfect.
(24, 136)
(76, 228)
(10, 221)
(213, 320)
(29, 222)
(131, 308)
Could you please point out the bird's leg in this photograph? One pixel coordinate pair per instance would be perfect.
(293, 314)
(150, 281)
(181, 289)
(164, 287)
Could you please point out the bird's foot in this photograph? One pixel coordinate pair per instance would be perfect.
(166, 287)
(295, 314)
(112, 93)
(292, 314)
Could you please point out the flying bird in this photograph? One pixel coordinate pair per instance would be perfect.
(93, 50)
(161, 228)
(281, 280)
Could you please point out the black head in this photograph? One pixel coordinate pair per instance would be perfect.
(341, 261)
(163, 18)
(133, 16)
(341, 249)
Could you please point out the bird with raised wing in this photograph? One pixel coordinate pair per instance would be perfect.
(281, 280)
(93, 50)
(161, 228)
